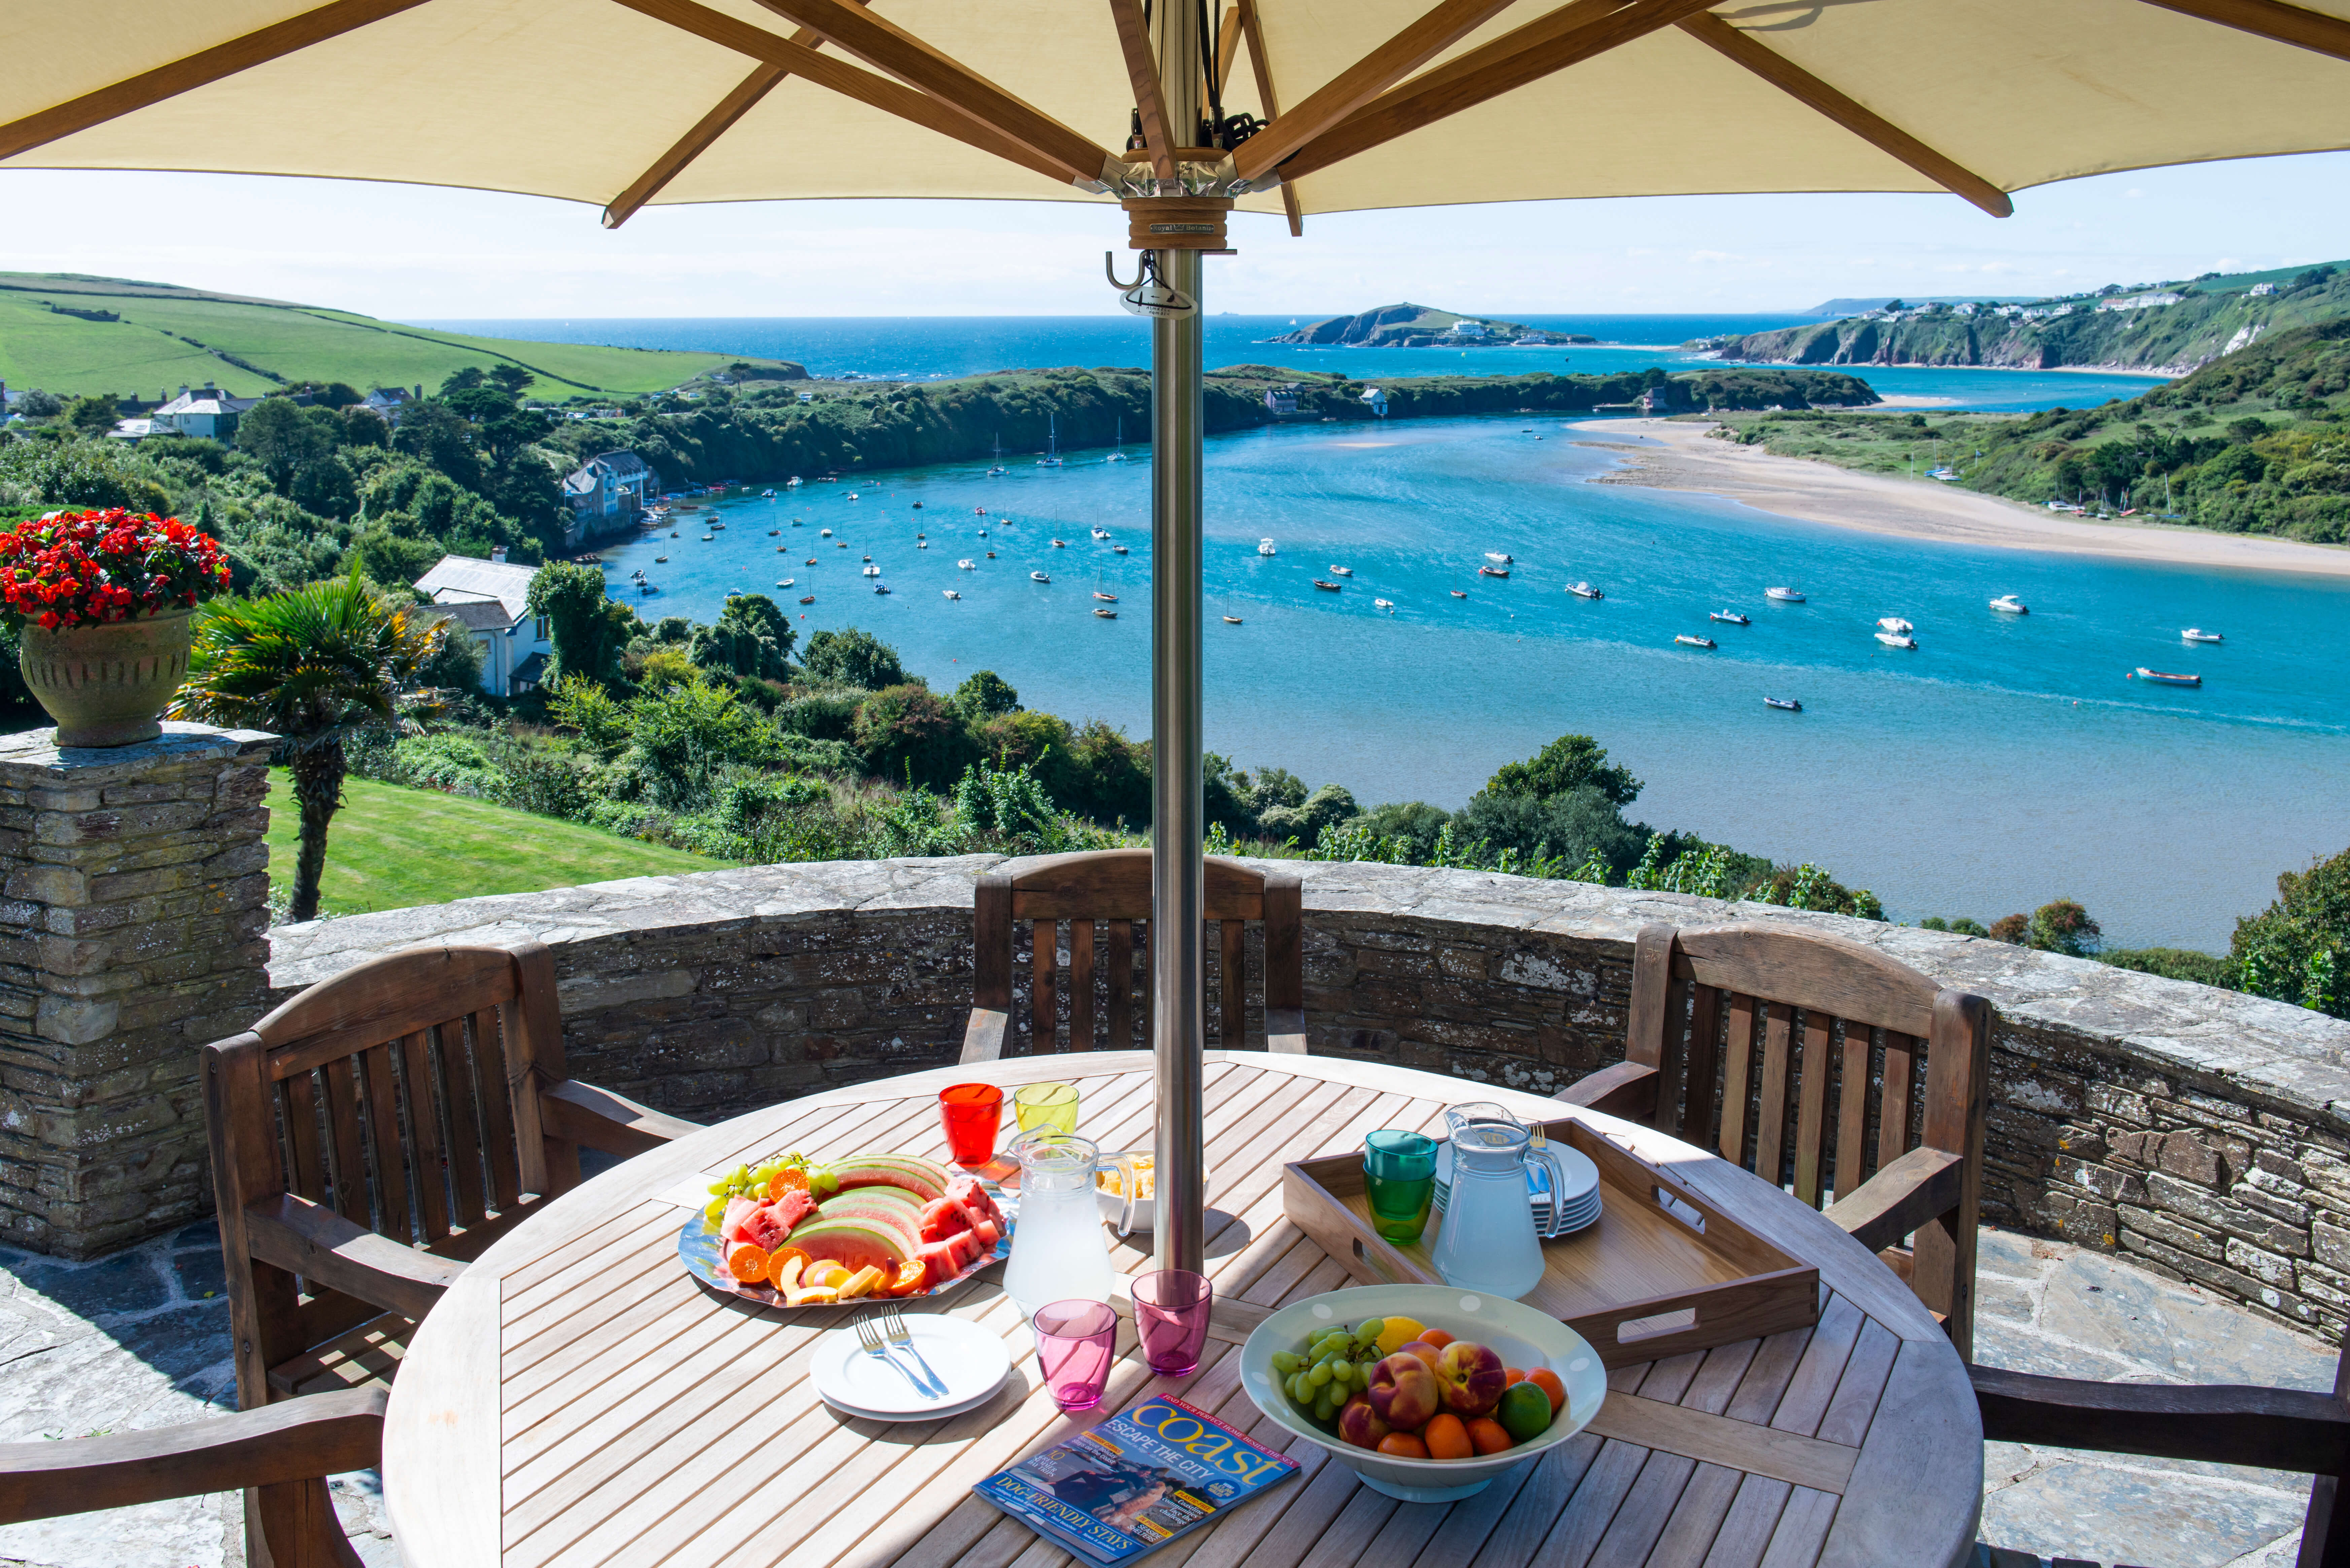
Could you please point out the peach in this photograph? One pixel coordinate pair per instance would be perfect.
(1404, 1392)
(1361, 1425)
(1422, 1348)
(1471, 1377)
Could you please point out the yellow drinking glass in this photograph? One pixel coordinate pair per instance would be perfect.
(1051, 1105)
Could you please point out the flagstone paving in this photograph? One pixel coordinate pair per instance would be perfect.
(140, 1339)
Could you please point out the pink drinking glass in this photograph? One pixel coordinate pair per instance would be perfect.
(1171, 1318)
(1077, 1341)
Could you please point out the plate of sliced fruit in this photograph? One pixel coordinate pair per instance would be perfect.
(792, 1231)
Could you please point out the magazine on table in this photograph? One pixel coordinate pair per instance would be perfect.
(1136, 1481)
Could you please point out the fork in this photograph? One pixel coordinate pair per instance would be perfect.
(893, 1327)
(869, 1335)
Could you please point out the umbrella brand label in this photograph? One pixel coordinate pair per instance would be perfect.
(1186, 228)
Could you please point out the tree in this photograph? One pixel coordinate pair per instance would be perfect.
(751, 636)
(2063, 926)
(1571, 826)
(315, 666)
(2011, 928)
(587, 638)
(281, 440)
(1568, 763)
(852, 658)
(94, 415)
(984, 695)
(905, 727)
(686, 734)
(38, 404)
(2298, 948)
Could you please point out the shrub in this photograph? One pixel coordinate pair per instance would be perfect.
(2298, 948)
(1568, 763)
(908, 730)
(2174, 963)
(2011, 929)
(685, 735)
(852, 658)
(1574, 825)
(2063, 926)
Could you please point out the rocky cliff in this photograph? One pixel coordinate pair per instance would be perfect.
(1419, 327)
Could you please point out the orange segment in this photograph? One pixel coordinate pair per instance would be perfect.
(794, 1178)
(782, 1257)
(748, 1261)
(910, 1275)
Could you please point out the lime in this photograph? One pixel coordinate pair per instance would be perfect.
(1523, 1412)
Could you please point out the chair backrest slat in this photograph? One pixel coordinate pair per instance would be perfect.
(1770, 1113)
(351, 1159)
(422, 1095)
(1105, 897)
(1852, 1106)
(386, 1148)
(464, 1123)
(1893, 1106)
(1737, 1078)
(497, 1104)
(307, 1170)
(1701, 1072)
(1812, 1102)
(1120, 970)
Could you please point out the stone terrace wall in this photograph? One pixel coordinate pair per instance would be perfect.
(2204, 1134)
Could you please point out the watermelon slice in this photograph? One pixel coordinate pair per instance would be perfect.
(889, 1208)
(939, 1259)
(792, 1208)
(738, 1209)
(943, 1219)
(967, 1191)
(761, 1228)
(988, 1236)
(924, 1179)
(853, 1241)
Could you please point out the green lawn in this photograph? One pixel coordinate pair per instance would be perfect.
(392, 847)
(147, 349)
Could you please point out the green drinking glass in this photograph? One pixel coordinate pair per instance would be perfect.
(1399, 1177)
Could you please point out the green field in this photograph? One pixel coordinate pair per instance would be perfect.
(149, 348)
(391, 848)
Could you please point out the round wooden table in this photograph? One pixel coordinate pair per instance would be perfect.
(577, 1399)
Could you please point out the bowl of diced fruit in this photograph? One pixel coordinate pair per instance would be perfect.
(1127, 1188)
(1426, 1391)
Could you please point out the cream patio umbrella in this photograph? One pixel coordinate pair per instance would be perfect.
(1342, 105)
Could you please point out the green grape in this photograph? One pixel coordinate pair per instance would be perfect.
(718, 1188)
(1286, 1361)
(715, 1212)
(1320, 1376)
(830, 1182)
(1370, 1328)
(1325, 1407)
(1342, 1374)
(1301, 1390)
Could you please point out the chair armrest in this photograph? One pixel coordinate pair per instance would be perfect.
(1628, 1089)
(2268, 1428)
(983, 1037)
(1901, 1197)
(295, 1439)
(602, 1119)
(1284, 1030)
(314, 1241)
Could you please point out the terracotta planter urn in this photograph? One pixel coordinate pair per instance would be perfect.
(107, 684)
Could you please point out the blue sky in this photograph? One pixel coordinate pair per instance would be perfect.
(407, 252)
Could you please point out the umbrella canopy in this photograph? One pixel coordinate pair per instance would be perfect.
(1295, 106)
(1472, 100)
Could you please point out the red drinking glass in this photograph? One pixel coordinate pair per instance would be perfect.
(971, 1114)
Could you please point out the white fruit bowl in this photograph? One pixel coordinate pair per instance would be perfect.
(1113, 1204)
(1522, 1335)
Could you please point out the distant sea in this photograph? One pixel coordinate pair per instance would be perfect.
(2004, 763)
(928, 347)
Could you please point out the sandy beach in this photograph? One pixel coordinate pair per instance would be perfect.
(1689, 458)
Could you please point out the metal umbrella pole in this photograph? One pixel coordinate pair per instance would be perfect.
(1177, 897)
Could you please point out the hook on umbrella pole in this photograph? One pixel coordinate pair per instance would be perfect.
(1109, 270)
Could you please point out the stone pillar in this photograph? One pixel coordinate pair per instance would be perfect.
(134, 915)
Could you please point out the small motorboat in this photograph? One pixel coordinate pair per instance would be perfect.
(1106, 598)
(982, 533)
(1118, 549)
(719, 526)
(1492, 571)
(783, 549)
(852, 495)
(2166, 677)
(1060, 544)
(1105, 614)
(921, 544)
(1896, 639)
(658, 559)
(872, 571)
(1687, 640)
(1101, 533)
(811, 560)
(1342, 571)
(766, 495)
(1731, 618)
(2197, 634)
(918, 506)
(706, 538)
(2008, 604)
(990, 555)
(1785, 595)
(1038, 577)
(1784, 704)
(794, 482)
(1499, 557)
(966, 565)
(797, 523)
(808, 599)
(1326, 588)
(784, 583)
(1231, 620)
(673, 533)
(1383, 604)
(824, 532)
(881, 587)
(1264, 547)
(1894, 623)
(979, 511)
(951, 593)
(1584, 591)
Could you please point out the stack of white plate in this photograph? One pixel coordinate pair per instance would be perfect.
(969, 1363)
(1581, 1201)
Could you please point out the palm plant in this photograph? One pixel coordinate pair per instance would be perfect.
(313, 666)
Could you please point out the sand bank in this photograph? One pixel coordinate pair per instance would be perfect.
(1689, 458)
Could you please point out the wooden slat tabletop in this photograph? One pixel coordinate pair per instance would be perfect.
(577, 1399)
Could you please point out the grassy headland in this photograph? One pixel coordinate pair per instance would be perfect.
(75, 335)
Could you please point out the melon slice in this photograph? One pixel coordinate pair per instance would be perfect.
(967, 1191)
(924, 1179)
(892, 1209)
(853, 1241)
(760, 1226)
(730, 1229)
(937, 1258)
(793, 1207)
(943, 1219)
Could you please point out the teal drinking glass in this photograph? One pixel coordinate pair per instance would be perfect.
(1400, 1177)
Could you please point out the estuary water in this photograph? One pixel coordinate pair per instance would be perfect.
(2003, 762)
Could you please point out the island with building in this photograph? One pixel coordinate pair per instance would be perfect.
(1425, 327)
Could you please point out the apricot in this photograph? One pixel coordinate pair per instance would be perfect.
(1437, 1337)
(1488, 1436)
(1446, 1437)
(1512, 1374)
(1403, 1445)
(1544, 1379)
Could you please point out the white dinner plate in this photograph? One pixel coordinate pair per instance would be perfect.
(971, 1361)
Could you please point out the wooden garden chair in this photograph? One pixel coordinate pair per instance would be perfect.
(289, 1449)
(2291, 1429)
(1102, 1000)
(1832, 1109)
(370, 1136)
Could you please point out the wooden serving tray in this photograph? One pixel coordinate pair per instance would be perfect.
(1660, 1272)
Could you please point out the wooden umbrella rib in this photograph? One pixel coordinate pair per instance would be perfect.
(1447, 24)
(198, 69)
(693, 143)
(1866, 123)
(890, 48)
(1572, 34)
(1150, 98)
(841, 76)
(2270, 19)
(1228, 48)
(1260, 65)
